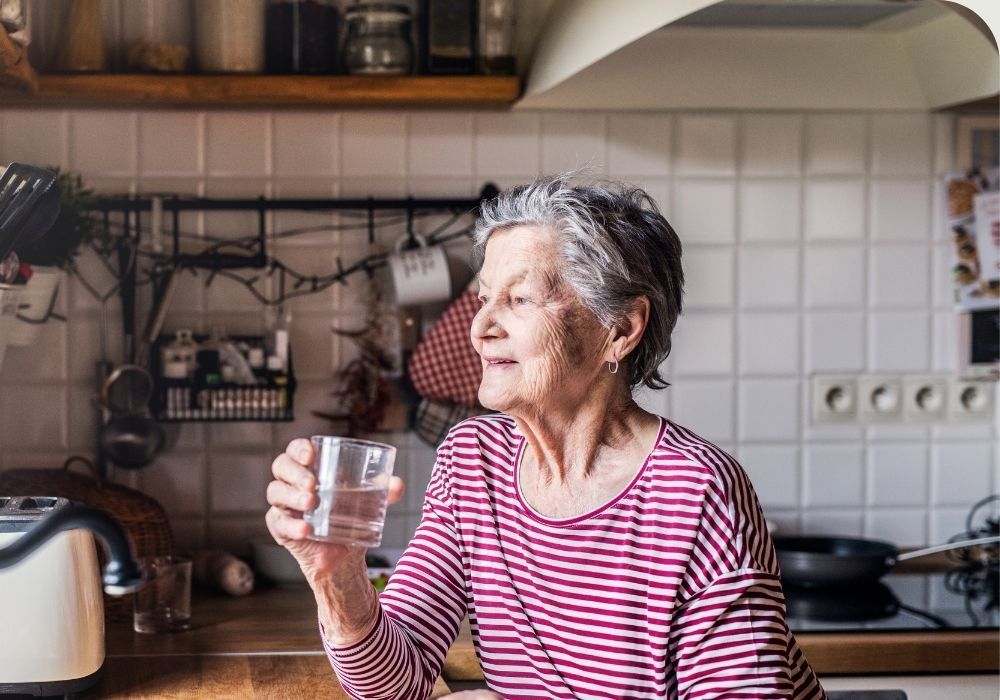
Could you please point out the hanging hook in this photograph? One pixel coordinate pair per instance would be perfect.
(411, 237)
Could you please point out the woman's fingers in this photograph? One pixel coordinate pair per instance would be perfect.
(284, 495)
(396, 489)
(300, 450)
(284, 526)
(286, 469)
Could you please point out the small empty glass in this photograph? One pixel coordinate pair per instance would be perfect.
(163, 604)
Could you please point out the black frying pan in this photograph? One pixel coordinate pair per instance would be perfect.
(842, 561)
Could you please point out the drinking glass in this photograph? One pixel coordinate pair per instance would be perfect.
(353, 486)
(163, 604)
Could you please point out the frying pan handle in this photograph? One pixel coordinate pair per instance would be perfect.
(961, 544)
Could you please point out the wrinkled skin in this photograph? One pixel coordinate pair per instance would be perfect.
(545, 363)
(537, 342)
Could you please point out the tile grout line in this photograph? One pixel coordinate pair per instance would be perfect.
(805, 389)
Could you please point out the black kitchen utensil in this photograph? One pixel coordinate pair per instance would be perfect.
(843, 561)
(131, 438)
(29, 205)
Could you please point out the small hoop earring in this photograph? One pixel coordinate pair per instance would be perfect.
(613, 367)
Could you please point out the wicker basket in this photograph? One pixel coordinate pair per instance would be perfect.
(143, 518)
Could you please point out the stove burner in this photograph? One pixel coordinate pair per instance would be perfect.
(847, 604)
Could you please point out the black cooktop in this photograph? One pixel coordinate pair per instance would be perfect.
(960, 599)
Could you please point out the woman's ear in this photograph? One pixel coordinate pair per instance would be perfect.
(626, 336)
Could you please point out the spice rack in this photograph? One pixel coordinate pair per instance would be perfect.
(198, 398)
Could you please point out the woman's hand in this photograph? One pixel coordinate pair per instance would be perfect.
(293, 491)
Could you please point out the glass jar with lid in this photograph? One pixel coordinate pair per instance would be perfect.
(378, 40)
(302, 36)
(156, 36)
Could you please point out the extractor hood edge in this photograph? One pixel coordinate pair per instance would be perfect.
(915, 68)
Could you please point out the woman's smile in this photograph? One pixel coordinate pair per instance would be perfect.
(497, 363)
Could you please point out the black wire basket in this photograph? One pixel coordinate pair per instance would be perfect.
(206, 397)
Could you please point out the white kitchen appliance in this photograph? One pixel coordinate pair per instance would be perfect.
(51, 606)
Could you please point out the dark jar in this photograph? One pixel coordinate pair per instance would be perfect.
(378, 40)
(301, 36)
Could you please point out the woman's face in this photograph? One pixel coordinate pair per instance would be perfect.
(540, 347)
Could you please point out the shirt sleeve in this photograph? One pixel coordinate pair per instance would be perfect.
(729, 637)
(420, 609)
(731, 641)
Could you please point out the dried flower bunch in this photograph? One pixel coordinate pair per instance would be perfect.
(363, 388)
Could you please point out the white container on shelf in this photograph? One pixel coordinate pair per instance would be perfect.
(33, 303)
(229, 36)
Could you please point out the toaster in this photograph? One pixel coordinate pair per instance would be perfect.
(51, 606)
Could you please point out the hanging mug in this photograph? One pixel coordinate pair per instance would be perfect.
(420, 275)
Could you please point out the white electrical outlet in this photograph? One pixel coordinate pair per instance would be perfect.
(880, 398)
(925, 398)
(971, 400)
(834, 399)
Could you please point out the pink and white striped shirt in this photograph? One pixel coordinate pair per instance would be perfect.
(670, 590)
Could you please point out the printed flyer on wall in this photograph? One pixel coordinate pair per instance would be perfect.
(973, 210)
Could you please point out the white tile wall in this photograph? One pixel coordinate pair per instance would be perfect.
(835, 209)
(769, 210)
(706, 209)
(836, 144)
(810, 246)
(775, 473)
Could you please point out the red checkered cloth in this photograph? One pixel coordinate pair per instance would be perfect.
(444, 365)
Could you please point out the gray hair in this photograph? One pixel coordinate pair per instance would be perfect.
(615, 246)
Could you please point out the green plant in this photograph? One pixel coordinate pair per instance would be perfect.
(75, 226)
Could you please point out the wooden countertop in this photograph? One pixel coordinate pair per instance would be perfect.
(267, 645)
(239, 676)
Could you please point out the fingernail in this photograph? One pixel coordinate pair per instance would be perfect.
(303, 456)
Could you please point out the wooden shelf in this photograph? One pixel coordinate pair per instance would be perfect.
(269, 91)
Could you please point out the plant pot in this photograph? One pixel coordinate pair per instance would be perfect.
(35, 300)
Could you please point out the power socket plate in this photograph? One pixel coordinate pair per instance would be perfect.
(925, 398)
(834, 399)
(880, 398)
(972, 400)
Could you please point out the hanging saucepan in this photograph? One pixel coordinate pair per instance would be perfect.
(131, 438)
(843, 561)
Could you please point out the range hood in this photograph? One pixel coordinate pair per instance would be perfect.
(762, 54)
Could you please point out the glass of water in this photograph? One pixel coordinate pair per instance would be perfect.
(163, 604)
(353, 487)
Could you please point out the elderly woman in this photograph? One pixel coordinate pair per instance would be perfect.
(599, 551)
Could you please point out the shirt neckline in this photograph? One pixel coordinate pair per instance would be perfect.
(565, 522)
